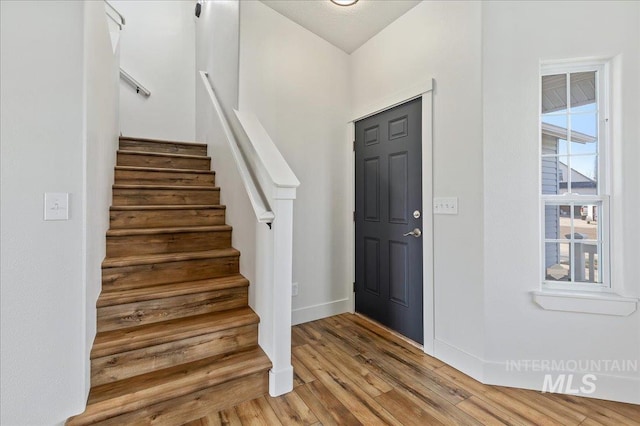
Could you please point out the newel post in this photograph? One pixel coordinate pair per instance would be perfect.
(281, 374)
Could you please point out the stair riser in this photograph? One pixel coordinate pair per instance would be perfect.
(153, 197)
(138, 177)
(141, 160)
(129, 219)
(182, 343)
(132, 363)
(194, 405)
(164, 273)
(164, 147)
(221, 371)
(151, 311)
(178, 242)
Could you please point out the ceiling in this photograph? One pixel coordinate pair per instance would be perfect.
(346, 27)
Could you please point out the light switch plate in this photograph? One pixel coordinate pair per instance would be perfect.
(294, 289)
(56, 206)
(445, 205)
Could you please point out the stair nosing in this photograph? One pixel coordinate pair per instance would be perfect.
(147, 259)
(182, 379)
(170, 207)
(164, 154)
(178, 378)
(189, 144)
(166, 291)
(164, 170)
(172, 187)
(139, 336)
(119, 232)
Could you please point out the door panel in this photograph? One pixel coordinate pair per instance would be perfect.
(372, 189)
(372, 265)
(388, 190)
(399, 188)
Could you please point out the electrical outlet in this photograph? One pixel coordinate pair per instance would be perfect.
(294, 289)
(56, 206)
(445, 205)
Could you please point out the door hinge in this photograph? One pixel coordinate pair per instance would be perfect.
(354, 145)
(354, 286)
(354, 215)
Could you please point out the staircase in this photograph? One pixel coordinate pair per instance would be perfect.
(176, 339)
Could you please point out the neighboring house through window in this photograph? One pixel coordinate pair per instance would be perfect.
(574, 189)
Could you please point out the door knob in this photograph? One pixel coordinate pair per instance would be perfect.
(416, 233)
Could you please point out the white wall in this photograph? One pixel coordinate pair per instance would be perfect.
(297, 86)
(441, 40)
(515, 328)
(42, 307)
(102, 74)
(158, 50)
(487, 258)
(217, 49)
(59, 132)
(217, 52)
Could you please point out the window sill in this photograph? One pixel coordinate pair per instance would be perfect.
(585, 302)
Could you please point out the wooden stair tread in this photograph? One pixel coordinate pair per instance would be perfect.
(156, 215)
(172, 230)
(110, 298)
(112, 262)
(164, 169)
(171, 187)
(127, 339)
(161, 154)
(131, 138)
(170, 207)
(174, 325)
(140, 391)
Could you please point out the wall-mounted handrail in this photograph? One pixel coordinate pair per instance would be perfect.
(134, 83)
(115, 21)
(122, 20)
(260, 205)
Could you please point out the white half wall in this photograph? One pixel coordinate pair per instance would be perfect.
(42, 141)
(441, 40)
(298, 86)
(158, 50)
(516, 328)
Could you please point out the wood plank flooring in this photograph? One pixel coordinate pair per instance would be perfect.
(349, 371)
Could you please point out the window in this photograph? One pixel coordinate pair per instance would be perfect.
(574, 191)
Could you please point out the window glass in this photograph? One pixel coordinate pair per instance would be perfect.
(573, 226)
(554, 93)
(573, 242)
(583, 90)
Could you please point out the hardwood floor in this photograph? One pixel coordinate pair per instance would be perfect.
(348, 371)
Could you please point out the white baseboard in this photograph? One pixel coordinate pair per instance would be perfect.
(280, 382)
(606, 386)
(457, 358)
(622, 388)
(322, 310)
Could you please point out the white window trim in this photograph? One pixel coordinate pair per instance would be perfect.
(585, 302)
(606, 299)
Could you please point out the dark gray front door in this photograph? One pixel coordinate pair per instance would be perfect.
(388, 192)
